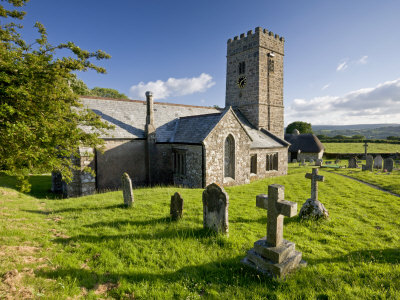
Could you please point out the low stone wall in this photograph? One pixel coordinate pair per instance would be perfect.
(395, 156)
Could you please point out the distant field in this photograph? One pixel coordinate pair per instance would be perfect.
(358, 148)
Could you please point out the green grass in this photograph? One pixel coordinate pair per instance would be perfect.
(88, 243)
(388, 181)
(358, 148)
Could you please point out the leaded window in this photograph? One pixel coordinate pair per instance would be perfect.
(229, 157)
(179, 161)
(271, 163)
(253, 164)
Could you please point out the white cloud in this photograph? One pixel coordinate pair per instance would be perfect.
(325, 86)
(363, 60)
(172, 87)
(342, 66)
(380, 104)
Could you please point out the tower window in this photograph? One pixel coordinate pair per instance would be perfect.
(253, 164)
(242, 67)
(271, 162)
(270, 65)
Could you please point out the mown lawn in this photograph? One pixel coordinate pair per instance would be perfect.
(92, 247)
(388, 181)
(359, 148)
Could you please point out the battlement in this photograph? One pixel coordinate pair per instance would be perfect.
(259, 38)
(258, 32)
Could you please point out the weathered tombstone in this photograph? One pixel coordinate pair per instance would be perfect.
(273, 255)
(176, 209)
(127, 189)
(353, 162)
(303, 162)
(365, 149)
(368, 164)
(319, 162)
(388, 164)
(328, 162)
(378, 162)
(312, 208)
(294, 160)
(311, 161)
(215, 208)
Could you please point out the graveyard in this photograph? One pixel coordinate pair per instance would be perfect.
(97, 247)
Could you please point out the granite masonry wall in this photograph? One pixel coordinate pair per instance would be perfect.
(120, 156)
(214, 148)
(262, 159)
(194, 167)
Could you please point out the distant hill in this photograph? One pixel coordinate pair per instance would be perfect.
(370, 131)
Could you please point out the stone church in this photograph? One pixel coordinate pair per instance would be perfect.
(160, 143)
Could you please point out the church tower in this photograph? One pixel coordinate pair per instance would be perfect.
(254, 78)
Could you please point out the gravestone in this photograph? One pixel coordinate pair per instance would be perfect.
(273, 255)
(368, 164)
(328, 162)
(388, 164)
(353, 162)
(176, 209)
(378, 162)
(311, 161)
(215, 208)
(294, 160)
(318, 162)
(302, 162)
(312, 208)
(127, 189)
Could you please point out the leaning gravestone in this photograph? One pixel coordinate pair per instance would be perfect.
(127, 189)
(388, 164)
(378, 162)
(353, 162)
(312, 208)
(176, 209)
(368, 163)
(273, 255)
(318, 162)
(215, 208)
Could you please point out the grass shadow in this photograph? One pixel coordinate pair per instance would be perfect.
(217, 273)
(186, 233)
(391, 256)
(78, 209)
(41, 186)
(121, 223)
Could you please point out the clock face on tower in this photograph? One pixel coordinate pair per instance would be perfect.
(241, 82)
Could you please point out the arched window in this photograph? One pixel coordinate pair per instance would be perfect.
(229, 160)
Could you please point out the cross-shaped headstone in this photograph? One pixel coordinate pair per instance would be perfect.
(365, 147)
(277, 208)
(314, 182)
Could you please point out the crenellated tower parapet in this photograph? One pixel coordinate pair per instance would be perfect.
(254, 81)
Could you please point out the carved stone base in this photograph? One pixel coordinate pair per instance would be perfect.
(274, 261)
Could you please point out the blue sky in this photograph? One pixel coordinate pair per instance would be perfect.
(341, 62)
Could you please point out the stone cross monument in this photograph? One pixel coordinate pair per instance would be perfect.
(312, 208)
(314, 182)
(272, 255)
(365, 147)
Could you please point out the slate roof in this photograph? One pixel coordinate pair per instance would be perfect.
(305, 142)
(175, 123)
(261, 139)
(129, 116)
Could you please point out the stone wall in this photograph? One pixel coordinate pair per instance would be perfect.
(262, 159)
(307, 156)
(261, 100)
(194, 167)
(121, 156)
(214, 146)
(83, 183)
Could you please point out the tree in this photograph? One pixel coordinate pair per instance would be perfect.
(358, 137)
(302, 127)
(78, 86)
(108, 93)
(41, 118)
